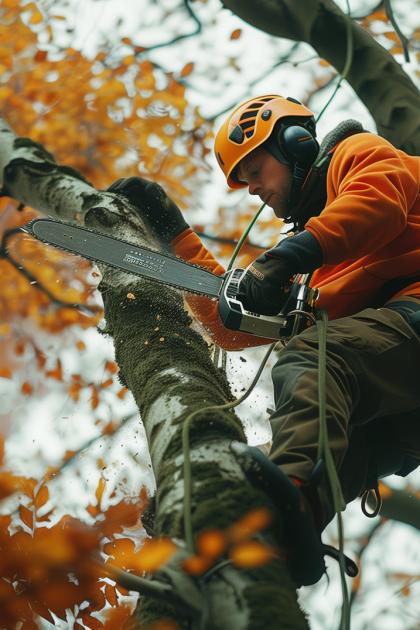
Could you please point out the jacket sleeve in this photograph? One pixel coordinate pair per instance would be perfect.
(189, 247)
(369, 193)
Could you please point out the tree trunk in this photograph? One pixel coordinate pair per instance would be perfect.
(378, 80)
(167, 367)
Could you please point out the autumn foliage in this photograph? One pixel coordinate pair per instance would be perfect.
(95, 115)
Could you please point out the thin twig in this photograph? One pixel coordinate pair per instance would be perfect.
(196, 31)
(403, 39)
(362, 550)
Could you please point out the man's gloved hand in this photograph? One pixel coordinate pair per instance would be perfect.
(159, 212)
(264, 288)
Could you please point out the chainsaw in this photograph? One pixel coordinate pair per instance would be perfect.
(175, 272)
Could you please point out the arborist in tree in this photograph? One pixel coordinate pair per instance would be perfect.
(354, 204)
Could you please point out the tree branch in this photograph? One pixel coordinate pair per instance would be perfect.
(387, 91)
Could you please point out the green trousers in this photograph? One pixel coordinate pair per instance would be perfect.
(372, 401)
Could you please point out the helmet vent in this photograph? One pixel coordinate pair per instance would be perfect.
(247, 120)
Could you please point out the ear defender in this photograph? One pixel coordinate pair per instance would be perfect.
(298, 145)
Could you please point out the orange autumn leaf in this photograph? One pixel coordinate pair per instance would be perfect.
(250, 524)
(41, 497)
(20, 347)
(100, 490)
(122, 515)
(74, 391)
(379, 15)
(93, 510)
(94, 399)
(392, 35)
(36, 17)
(236, 33)
(111, 595)
(187, 69)
(121, 551)
(250, 554)
(211, 543)
(26, 388)
(40, 55)
(117, 617)
(153, 554)
(57, 373)
(196, 565)
(9, 484)
(385, 491)
(91, 622)
(111, 366)
(122, 392)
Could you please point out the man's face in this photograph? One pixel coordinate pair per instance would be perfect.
(268, 178)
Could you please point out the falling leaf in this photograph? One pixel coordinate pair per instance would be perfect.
(187, 69)
(26, 388)
(236, 33)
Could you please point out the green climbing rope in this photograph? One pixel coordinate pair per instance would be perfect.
(324, 453)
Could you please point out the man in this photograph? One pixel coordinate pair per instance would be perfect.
(355, 206)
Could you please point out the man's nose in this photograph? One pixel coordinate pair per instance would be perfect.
(254, 189)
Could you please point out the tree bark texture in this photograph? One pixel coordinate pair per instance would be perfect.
(378, 80)
(167, 367)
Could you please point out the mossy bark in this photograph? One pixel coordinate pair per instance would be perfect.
(378, 80)
(167, 367)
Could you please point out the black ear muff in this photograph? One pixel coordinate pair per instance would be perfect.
(298, 144)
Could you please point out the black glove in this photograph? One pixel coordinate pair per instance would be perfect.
(163, 217)
(264, 288)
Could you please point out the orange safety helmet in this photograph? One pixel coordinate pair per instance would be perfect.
(251, 124)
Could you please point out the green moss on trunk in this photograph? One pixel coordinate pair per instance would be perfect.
(161, 357)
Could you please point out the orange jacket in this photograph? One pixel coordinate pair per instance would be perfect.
(369, 233)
